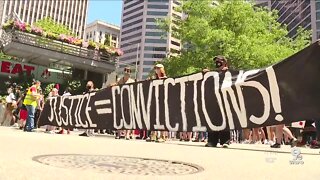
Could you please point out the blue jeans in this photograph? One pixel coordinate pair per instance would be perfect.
(30, 120)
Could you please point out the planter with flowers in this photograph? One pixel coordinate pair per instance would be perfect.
(8, 25)
(92, 45)
(21, 26)
(37, 31)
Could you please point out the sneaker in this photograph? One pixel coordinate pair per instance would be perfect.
(160, 140)
(15, 125)
(225, 145)
(276, 145)
(84, 134)
(117, 137)
(210, 145)
(148, 139)
(293, 142)
(266, 142)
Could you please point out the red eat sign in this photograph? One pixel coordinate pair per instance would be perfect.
(18, 68)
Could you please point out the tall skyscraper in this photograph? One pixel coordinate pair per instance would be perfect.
(142, 41)
(295, 13)
(71, 13)
(98, 31)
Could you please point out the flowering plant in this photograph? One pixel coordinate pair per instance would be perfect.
(37, 31)
(8, 25)
(20, 25)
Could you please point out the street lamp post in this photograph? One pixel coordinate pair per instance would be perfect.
(137, 57)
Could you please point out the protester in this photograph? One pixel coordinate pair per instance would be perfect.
(89, 89)
(158, 136)
(65, 93)
(280, 129)
(40, 105)
(125, 80)
(54, 93)
(11, 106)
(30, 101)
(219, 136)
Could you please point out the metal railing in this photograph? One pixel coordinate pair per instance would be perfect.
(54, 45)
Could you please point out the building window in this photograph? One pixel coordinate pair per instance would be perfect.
(154, 55)
(156, 33)
(133, 10)
(132, 23)
(176, 2)
(318, 15)
(318, 5)
(90, 35)
(133, 4)
(318, 25)
(87, 36)
(153, 6)
(160, 41)
(150, 48)
(152, 27)
(174, 51)
(114, 37)
(158, 0)
(131, 30)
(132, 17)
(147, 69)
(132, 36)
(130, 43)
(175, 43)
(157, 13)
(148, 62)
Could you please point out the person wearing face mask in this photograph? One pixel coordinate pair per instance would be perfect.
(219, 136)
(89, 89)
(125, 80)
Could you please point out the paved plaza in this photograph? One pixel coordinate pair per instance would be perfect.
(38, 155)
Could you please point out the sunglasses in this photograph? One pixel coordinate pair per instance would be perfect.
(127, 70)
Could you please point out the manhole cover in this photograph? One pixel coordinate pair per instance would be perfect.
(118, 164)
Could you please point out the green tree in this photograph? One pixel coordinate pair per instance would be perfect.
(49, 26)
(250, 37)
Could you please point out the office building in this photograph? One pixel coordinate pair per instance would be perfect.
(71, 13)
(141, 40)
(98, 31)
(295, 13)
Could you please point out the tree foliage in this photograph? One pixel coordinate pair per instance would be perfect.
(48, 25)
(250, 37)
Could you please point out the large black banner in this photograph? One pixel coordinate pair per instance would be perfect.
(286, 92)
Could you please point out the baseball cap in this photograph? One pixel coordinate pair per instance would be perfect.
(159, 66)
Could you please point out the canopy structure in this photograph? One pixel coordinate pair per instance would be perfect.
(51, 53)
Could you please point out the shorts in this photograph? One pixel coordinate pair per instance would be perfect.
(23, 114)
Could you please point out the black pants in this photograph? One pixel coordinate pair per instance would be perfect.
(215, 136)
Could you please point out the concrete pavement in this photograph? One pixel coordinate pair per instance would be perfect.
(52, 156)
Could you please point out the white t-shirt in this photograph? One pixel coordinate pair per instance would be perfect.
(10, 98)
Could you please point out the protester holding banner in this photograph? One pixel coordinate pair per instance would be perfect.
(30, 101)
(125, 80)
(158, 136)
(54, 93)
(89, 89)
(219, 136)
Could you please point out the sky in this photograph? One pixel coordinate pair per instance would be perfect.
(106, 10)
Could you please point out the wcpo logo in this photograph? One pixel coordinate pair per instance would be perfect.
(297, 157)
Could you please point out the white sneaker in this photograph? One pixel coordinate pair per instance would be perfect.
(15, 125)
(266, 142)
